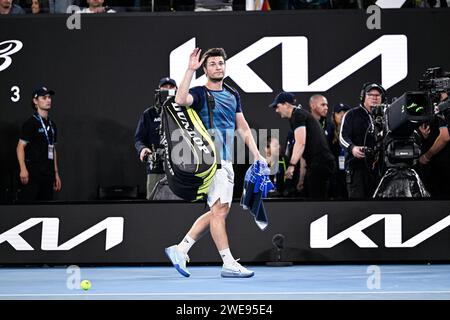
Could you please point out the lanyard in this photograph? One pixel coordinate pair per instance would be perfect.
(322, 122)
(45, 129)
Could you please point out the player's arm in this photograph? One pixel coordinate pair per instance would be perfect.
(183, 97)
(246, 134)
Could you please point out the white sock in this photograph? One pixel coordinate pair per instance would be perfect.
(226, 256)
(186, 244)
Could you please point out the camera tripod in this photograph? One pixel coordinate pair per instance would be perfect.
(401, 182)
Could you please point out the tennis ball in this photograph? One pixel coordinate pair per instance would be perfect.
(85, 284)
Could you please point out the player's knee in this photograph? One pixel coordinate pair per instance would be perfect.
(220, 210)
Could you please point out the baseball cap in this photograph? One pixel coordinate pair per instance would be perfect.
(341, 107)
(283, 97)
(42, 91)
(372, 86)
(167, 80)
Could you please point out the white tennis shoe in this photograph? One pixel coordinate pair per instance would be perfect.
(236, 270)
(178, 259)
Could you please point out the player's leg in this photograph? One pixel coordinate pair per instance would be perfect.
(217, 226)
(231, 268)
(178, 254)
(219, 199)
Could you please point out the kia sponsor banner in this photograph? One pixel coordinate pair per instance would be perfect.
(105, 72)
(314, 232)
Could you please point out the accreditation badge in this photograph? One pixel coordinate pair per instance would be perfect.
(51, 149)
(341, 163)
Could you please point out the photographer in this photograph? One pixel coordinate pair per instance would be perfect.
(357, 137)
(147, 136)
(437, 152)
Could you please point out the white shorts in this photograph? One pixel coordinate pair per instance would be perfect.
(222, 185)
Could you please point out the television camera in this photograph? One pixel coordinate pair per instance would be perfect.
(398, 145)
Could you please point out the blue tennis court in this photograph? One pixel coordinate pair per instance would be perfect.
(361, 282)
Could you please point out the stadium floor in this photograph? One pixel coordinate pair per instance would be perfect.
(317, 282)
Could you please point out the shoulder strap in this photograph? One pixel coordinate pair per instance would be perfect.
(211, 105)
(230, 88)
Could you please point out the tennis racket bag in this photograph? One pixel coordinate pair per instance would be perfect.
(190, 159)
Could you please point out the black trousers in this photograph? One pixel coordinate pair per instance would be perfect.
(361, 183)
(317, 179)
(38, 188)
(440, 180)
(338, 186)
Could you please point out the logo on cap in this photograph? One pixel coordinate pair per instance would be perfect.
(42, 91)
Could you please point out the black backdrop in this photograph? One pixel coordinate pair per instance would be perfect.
(148, 227)
(104, 75)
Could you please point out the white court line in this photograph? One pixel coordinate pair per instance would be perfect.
(217, 293)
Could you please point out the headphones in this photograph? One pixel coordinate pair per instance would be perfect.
(369, 86)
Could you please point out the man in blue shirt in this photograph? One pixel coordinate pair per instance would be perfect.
(226, 117)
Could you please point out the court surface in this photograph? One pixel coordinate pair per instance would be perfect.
(348, 282)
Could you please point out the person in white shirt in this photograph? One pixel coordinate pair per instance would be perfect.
(96, 6)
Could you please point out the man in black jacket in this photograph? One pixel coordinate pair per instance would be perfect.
(357, 137)
(147, 138)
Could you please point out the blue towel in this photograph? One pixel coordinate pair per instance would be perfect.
(256, 186)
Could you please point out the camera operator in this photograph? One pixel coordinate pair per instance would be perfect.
(147, 136)
(356, 135)
(437, 152)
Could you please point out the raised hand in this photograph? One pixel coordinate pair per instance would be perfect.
(194, 59)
